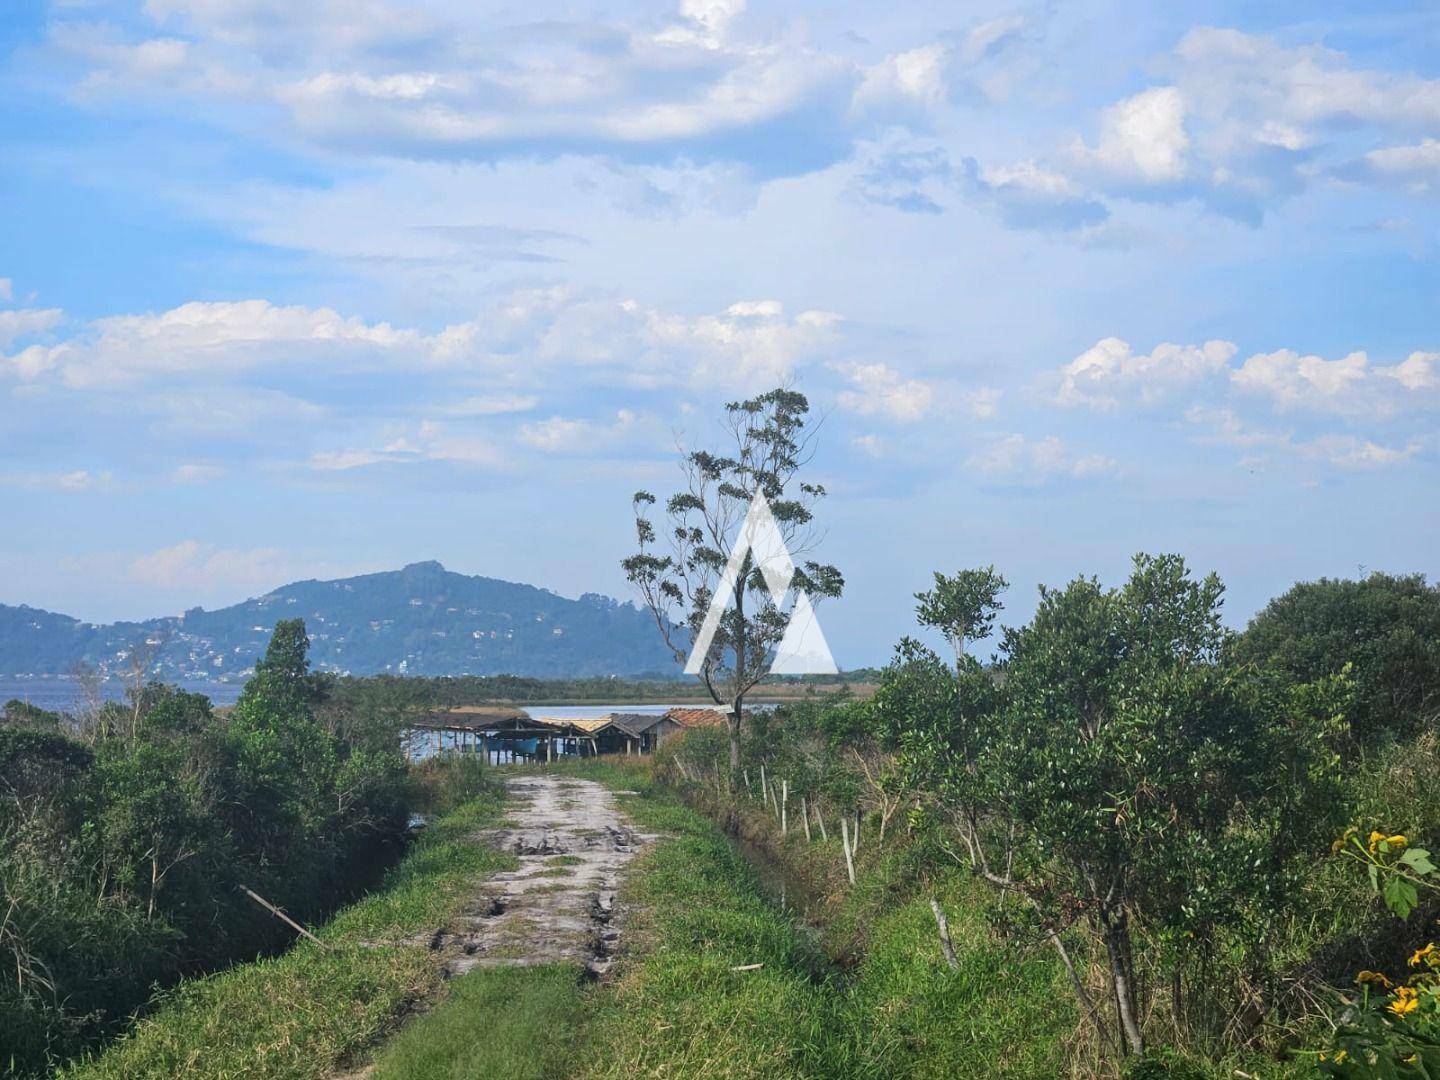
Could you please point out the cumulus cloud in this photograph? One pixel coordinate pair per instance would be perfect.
(878, 389)
(1142, 138)
(1021, 460)
(7, 289)
(1292, 381)
(1243, 122)
(1110, 372)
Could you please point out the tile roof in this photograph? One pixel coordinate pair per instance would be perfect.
(698, 717)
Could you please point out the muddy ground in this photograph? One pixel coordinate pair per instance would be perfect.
(573, 840)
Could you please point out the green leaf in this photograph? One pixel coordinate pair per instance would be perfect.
(1400, 896)
(1418, 859)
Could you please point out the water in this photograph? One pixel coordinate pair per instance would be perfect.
(61, 693)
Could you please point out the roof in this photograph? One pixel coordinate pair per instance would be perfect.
(691, 718)
(470, 718)
(639, 723)
(592, 726)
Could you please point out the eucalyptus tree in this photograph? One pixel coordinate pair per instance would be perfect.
(680, 569)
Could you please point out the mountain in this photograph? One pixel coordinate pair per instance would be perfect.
(422, 620)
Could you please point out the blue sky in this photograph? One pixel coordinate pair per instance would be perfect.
(304, 290)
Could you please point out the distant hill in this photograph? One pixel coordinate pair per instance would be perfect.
(422, 620)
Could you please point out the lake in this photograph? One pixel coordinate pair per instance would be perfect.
(62, 694)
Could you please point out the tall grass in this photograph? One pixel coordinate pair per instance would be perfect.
(307, 1012)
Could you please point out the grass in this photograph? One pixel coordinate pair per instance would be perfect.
(309, 1011)
(519, 1023)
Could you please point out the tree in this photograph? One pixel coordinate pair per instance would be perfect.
(768, 447)
(1385, 627)
(963, 607)
(1124, 774)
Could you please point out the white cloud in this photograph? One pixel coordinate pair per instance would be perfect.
(191, 564)
(524, 334)
(880, 389)
(559, 434)
(982, 402)
(1017, 459)
(989, 36)
(905, 84)
(1419, 371)
(26, 322)
(471, 81)
(73, 480)
(1242, 122)
(1415, 167)
(205, 338)
(1292, 381)
(870, 445)
(1332, 449)
(1109, 372)
(490, 405)
(1142, 138)
(196, 474)
(7, 289)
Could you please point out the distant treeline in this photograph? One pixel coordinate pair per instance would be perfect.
(450, 691)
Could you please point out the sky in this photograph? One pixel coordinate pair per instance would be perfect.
(304, 290)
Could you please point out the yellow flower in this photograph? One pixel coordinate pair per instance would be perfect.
(1373, 977)
(1396, 841)
(1405, 1001)
(1341, 1055)
(1375, 838)
(1422, 954)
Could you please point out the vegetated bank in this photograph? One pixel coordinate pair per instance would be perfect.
(128, 831)
(1211, 851)
(323, 1004)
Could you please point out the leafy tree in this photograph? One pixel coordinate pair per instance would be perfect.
(1123, 769)
(963, 607)
(1385, 627)
(768, 447)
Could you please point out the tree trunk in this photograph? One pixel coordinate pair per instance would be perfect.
(944, 927)
(1117, 946)
(736, 718)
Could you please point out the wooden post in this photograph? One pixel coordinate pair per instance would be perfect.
(946, 946)
(784, 807)
(845, 841)
(764, 791)
(805, 816)
(855, 846)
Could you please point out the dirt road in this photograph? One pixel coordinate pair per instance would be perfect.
(573, 840)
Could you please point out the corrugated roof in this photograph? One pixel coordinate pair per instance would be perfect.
(698, 717)
(591, 726)
(638, 723)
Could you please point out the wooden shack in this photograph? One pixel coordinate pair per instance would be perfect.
(644, 732)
